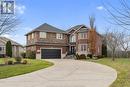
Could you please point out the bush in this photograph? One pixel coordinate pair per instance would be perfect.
(23, 54)
(77, 56)
(10, 62)
(82, 56)
(100, 56)
(31, 54)
(24, 62)
(90, 55)
(18, 59)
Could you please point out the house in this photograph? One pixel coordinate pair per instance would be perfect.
(50, 42)
(16, 47)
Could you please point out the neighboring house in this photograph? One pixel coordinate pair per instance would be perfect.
(16, 47)
(50, 42)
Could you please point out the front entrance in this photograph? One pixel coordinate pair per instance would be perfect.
(72, 48)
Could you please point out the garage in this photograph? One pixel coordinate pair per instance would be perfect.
(50, 53)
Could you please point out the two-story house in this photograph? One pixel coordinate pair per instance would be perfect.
(50, 42)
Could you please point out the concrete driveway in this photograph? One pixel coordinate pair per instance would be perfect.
(65, 73)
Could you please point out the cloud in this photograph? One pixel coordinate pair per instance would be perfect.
(20, 9)
(100, 8)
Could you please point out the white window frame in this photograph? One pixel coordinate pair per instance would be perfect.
(73, 38)
(42, 35)
(59, 36)
(32, 35)
(82, 35)
(83, 47)
(29, 37)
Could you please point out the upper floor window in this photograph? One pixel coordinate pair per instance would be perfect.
(32, 35)
(73, 38)
(42, 34)
(82, 35)
(29, 37)
(59, 36)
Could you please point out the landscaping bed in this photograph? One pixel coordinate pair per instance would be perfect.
(18, 69)
(122, 66)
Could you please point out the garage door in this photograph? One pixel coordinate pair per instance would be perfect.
(50, 53)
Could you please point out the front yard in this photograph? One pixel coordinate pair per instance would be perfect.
(122, 66)
(14, 70)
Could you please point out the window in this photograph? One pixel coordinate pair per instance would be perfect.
(82, 35)
(32, 35)
(28, 37)
(83, 47)
(73, 38)
(2, 48)
(42, 34)
(59, 36)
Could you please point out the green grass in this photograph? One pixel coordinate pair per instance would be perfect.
(19, 69)
(122, 66)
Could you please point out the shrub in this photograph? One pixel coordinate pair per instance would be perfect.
(77, 56)
(24, 62)
(18, 59)
(23, 54)
(82, 56)
(31, 54)
(100, 56)
(9, 49)
(90, 55)
(10, 62)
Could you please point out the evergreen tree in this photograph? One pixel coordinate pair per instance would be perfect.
(9, 49)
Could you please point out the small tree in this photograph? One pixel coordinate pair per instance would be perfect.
(9, 49)
(113, 38)
(124, 42)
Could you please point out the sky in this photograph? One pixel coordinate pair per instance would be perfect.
(62, 14)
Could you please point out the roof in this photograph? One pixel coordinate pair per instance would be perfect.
(84, 29)
(74, 28)
(4, 39)
(47, 28)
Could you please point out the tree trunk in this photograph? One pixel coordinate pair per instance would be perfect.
(113, 55)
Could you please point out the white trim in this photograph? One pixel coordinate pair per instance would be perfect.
(42, 34)
(59, 36)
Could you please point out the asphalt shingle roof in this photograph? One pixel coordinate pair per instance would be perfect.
(83, 29)
(4, 39)
(47, 28)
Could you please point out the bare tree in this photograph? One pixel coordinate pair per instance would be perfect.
(92, 35)
(8, 22)
(112, 38)
(124, 42)
(119, 15)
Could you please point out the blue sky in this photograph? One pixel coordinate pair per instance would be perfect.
(62, 14)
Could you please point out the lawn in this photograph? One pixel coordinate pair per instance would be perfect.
(122, 66)
(14, 70)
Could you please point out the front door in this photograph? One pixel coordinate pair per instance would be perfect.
(72, 49)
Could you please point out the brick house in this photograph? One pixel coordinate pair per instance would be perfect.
(50, 42)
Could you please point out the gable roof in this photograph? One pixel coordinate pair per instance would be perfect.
(4, 40)
(74, 28)
(47, 28)
(85, 29)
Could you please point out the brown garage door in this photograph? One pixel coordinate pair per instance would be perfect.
(51, 53)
